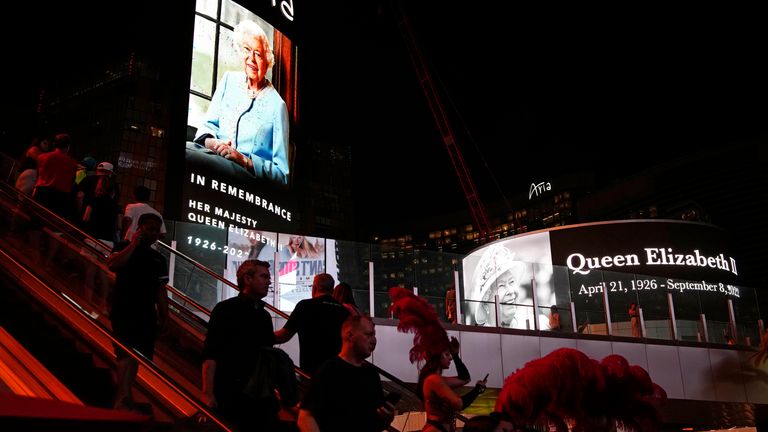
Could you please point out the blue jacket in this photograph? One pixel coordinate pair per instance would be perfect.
(257, 127)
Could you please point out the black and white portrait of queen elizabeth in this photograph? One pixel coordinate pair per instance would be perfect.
(498, 274)
(511, 270)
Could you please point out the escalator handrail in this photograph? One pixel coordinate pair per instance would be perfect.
(55, 219)
(12, 168)
(144, 361)
(189, 300)
(49, 216)
(205, 311)
(216, 276)
(65, 226)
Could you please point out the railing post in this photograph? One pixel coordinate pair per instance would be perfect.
(642, 322)
(171, 265)
(672, 318)
(371, 307)
(497, 309)
(459, 318)
(607, 309)
(732, 321)
(535, 303)
(703, 319)
(276, 278)
(573, 318)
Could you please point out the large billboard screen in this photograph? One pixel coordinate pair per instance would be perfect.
(631, 261)
(239, 156)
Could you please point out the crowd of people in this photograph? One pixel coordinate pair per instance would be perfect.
(245, 378)
(86, 194)
(243, 382)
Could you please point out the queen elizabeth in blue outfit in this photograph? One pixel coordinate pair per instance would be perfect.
(247, 120)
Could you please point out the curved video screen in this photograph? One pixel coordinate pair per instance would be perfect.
(632, 261)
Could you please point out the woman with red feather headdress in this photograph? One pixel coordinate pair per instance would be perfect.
(432, 347)
(566, 390)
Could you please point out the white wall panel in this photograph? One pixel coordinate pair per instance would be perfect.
(697, 373)
(391, 354)
(756, 384)
(634, 353)
(664, 368)
(595, 349)
(706, 374)
(481, 353)
(728, 375)
(547, 345)
(517, 351)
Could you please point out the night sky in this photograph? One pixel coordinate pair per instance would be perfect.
(535, 94)
(532, 94)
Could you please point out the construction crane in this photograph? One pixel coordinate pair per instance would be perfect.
(436, 106)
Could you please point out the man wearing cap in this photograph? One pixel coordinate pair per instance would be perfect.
(86, 189)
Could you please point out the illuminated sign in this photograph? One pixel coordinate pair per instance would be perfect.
(631, 261)
(539, 189)
(578, 263)
(640, 284)
(286, 7)
(239, 165)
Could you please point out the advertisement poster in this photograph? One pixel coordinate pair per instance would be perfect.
(247, 245)
(301, 258)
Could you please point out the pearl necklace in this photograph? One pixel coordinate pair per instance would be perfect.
(253, 94)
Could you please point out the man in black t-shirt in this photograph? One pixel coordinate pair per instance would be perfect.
(318, 322)
(346, 393)
(237, 331)
(139, 302)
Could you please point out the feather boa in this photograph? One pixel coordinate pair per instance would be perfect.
(567, 387)
(419, 317)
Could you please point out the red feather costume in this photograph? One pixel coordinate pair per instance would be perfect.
(419, 317)
(566, 386)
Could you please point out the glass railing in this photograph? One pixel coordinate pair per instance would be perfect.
(372, 270)
(666, 313)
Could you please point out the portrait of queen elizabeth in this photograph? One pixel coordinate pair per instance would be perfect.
(498, 274)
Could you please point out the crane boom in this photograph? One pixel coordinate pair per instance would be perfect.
(436, 106)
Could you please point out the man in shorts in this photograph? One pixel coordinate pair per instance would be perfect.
(139, 301)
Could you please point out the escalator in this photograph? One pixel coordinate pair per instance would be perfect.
(44, 305)
(47, 261)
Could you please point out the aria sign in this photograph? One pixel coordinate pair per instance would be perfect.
(538, 189)
(286, 7)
